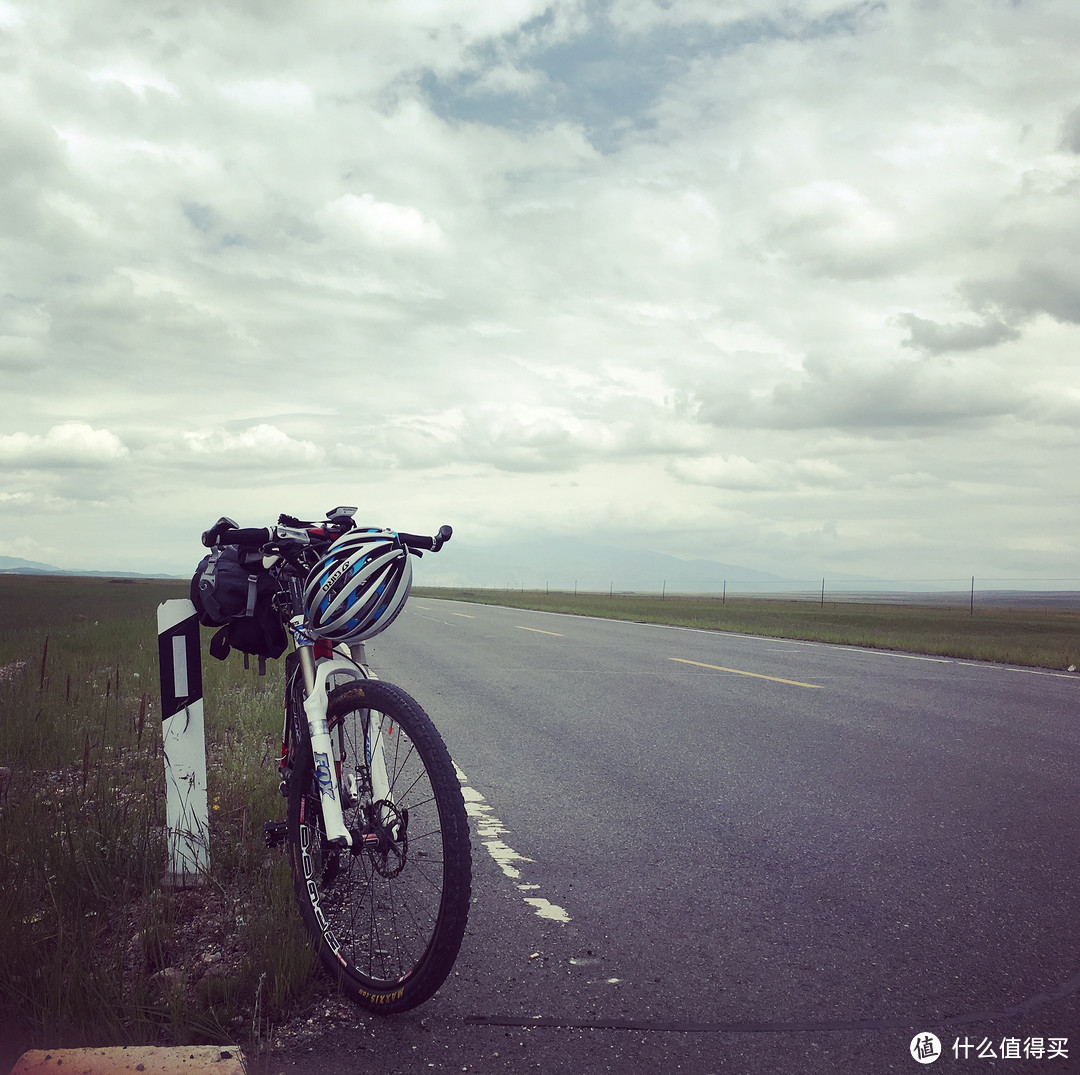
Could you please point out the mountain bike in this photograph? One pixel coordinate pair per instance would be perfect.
(376, 830)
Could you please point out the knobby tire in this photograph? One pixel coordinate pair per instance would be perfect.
(388, 921)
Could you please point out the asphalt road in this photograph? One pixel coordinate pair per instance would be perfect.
(703, 852)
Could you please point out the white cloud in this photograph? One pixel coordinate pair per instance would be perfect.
(271, 94)
(258, 446)
(70, 444)
(838, 230)
(384, 223)
(771, 475)
(137, 81)
(745, 268)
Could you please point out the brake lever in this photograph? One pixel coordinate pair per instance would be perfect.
(297, 535)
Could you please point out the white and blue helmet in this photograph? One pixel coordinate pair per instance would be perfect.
(359, 586)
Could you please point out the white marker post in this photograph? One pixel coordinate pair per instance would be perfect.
(180, 664)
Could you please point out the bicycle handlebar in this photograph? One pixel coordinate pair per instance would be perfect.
(226, 532)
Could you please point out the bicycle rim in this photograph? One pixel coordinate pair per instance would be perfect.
(389, 915)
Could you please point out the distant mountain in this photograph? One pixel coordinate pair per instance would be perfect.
(14, 565)
(566, 565)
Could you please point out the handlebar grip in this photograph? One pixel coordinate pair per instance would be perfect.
(427, 544)
(249, 537)
(417, 541)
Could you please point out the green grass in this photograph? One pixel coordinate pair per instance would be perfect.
(1042, 638)
(86, 921)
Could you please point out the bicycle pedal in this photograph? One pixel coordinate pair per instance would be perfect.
(275, 832)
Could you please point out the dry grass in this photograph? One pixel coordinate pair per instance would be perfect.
(94, 948)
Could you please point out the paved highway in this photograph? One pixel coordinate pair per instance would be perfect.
(702, 852)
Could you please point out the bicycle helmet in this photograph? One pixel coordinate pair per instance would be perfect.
(359, 586)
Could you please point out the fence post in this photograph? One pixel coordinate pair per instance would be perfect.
(972, 595)
(822, 593)
(183, 738)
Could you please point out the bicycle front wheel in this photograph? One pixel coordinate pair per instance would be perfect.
(389, 914)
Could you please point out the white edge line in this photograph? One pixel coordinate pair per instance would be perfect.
(491, 830)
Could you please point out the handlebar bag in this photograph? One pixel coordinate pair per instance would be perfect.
(231, 590)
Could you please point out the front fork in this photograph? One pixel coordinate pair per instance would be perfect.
(315, 674)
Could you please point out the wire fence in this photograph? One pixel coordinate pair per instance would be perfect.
(971, 592)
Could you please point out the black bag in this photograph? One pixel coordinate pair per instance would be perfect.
(233, 591)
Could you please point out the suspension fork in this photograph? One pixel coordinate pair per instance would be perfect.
(322, 748)
(315, 674)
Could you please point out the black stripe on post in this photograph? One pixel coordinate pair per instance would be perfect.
(180, 662)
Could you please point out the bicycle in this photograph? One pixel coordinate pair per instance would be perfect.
(376, 830)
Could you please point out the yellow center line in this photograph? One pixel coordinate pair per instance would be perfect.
(536, 630)
(755, 675)
(463, 615)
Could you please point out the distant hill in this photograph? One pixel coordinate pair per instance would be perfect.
(14, 565)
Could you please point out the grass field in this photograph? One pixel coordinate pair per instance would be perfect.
(1044, 638)
(94, 948)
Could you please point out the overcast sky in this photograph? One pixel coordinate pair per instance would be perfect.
(792, 284)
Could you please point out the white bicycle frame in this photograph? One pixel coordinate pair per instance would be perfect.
(350, 662)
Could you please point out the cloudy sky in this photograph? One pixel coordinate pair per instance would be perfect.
(791, 284)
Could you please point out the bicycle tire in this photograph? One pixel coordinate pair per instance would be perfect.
(388, 923)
